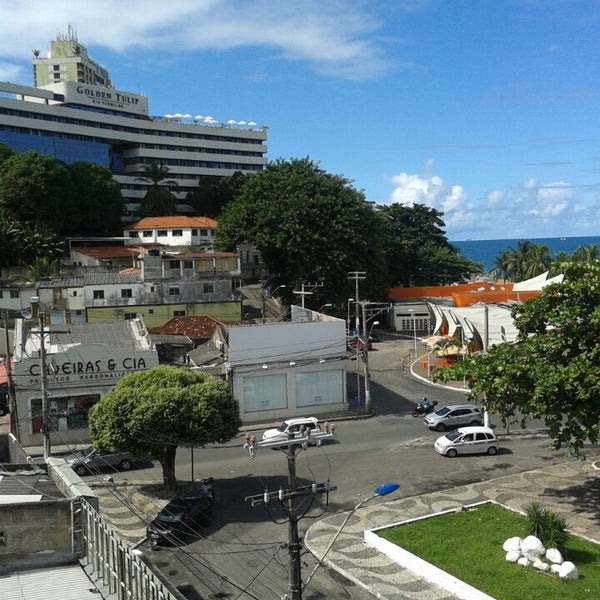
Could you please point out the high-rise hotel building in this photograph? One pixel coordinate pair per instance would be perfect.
(74, 114)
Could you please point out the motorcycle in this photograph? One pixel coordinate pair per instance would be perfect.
(424, 408)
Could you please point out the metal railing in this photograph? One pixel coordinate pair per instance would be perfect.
(112, 564)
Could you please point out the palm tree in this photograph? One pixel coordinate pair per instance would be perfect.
(502, 264)
(587, 254)
(159, 200)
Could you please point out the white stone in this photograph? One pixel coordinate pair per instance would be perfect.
(523, 561)
(540, 565)
(554, 556)
(513, 556)
(513, 543)
(532, 546)
(555, 568)
(568, 571)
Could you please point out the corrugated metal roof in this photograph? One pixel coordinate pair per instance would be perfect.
(55, 583)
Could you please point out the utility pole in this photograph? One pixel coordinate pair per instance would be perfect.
(12, 400)
(292, 446)
(357, 276)
(44, 389)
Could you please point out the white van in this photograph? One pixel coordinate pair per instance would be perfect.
(467, 440)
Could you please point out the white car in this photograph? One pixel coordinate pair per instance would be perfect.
(467, 440)
(299, 427)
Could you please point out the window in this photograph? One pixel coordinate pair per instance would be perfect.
(174, 291)
(194, 232)
(204, 232)
(188, 264)
(129, 316)
(264, 393)
(74, 293)
(151, 311)
(14, 293)
(179, 313)
(147, 234)
(133, 234)
(322, 387)
(1, 294)
(126, 293)
(174, 264)
(177, 232)
(209, 288)
(162, 233)
(98, 294)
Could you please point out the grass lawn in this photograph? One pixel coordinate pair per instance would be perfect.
(468, 545)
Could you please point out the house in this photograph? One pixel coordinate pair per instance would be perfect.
(172, 231)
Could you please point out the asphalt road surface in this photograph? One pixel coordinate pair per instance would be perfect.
(243, 553)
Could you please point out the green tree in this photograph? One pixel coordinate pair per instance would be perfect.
(159, 200)
(37, 189)
(98, 200)
(502, 264)
(157, 410)
(310, 226)
(552, 371)
(214, 193)
(21, 245)
(5, 152)
(417, 248)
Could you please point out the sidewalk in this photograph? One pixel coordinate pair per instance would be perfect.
(571, 489)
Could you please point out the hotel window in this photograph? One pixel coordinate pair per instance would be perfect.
(98, 294)
(126, 293)
(174, 291)
(162, 233)
(177, 232)
(209, 288)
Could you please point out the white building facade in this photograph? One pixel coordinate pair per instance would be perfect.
(74, 114)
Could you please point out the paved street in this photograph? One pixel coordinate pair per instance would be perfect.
(243, 553)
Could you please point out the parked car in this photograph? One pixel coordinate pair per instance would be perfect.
(92, 460)
(467, 440)
(356, 341)
(179, 521)
(299, 427)
(454, 415)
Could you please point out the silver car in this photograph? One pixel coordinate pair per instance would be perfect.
(454, 415)
(91, 460)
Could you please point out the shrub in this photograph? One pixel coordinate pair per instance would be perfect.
(547, 526)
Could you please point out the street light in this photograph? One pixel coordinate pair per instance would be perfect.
(264, 297)
(366, 365)
(325, 306)
(350, 300)
(382, 490)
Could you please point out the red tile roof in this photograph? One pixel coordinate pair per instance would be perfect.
(170, 222)
(195, 327)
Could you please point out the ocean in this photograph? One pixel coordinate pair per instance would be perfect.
(485, 251)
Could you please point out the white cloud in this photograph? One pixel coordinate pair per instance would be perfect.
(529, 209)
(333, 37)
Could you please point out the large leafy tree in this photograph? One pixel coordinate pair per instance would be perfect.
(214, 193)
(157, 410)
(418, 251)
(552, 371)
(159, 201)
(37, 189)
(310, 226)
(98, 199)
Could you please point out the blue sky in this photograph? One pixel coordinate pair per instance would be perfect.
(486, 110)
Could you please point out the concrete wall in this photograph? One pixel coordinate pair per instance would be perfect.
(35, 527)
